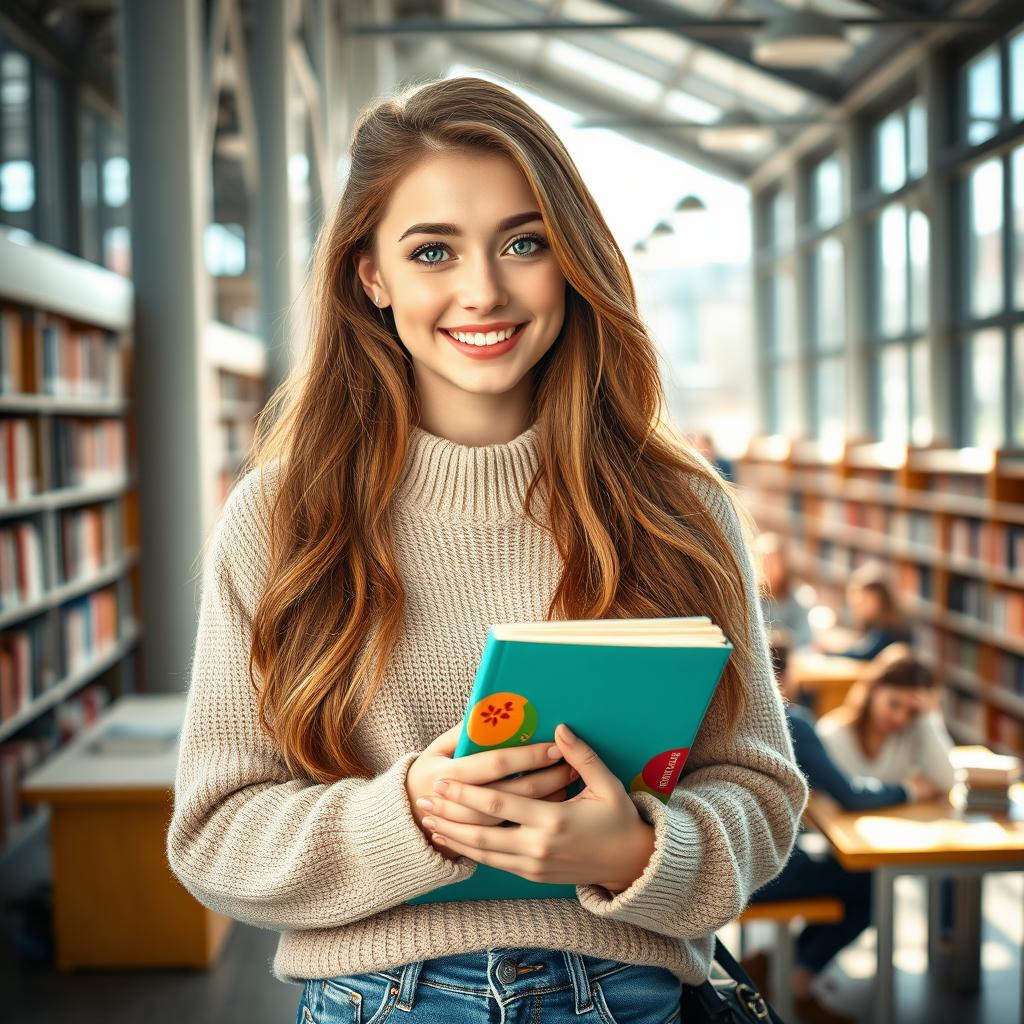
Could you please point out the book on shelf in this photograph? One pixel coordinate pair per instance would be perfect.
(636, 690)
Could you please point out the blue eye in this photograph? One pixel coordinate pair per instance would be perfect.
(414, 256)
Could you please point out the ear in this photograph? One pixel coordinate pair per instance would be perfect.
(369, 277)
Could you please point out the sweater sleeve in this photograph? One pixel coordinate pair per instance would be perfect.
(246, 837)
(729, 825)
(933, 746)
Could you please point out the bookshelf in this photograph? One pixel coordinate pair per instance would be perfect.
(237, 362)
(69, 531)
(949, 523)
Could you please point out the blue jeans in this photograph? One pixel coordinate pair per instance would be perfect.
(501, 985)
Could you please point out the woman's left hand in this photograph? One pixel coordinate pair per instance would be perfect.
(596, 837)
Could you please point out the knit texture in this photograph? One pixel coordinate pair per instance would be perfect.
(330, 866)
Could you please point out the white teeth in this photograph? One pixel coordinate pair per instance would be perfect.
(491, 338)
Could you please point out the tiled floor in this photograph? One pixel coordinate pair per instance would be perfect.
(241, 990)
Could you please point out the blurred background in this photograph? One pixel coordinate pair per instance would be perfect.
(822, 202)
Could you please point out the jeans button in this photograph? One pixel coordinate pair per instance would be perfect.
(507, 970)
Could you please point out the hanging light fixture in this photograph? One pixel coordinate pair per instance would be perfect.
(663, 228)
(736, 129)
(691, 204)
(800, 39)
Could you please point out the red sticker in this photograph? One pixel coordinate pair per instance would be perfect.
(662, 771)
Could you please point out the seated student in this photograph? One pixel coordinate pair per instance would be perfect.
(784, 600)
(808, 876)
(890, 722)
(876, 612)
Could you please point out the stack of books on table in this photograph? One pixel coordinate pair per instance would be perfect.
(984, 779)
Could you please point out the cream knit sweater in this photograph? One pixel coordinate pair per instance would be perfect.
(330, 866)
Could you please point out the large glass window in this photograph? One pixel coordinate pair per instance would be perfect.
(901, 146)
(827, 192)
(18, 201)
(986, 372)
(985, 238)
(983, 106)
(829, 294)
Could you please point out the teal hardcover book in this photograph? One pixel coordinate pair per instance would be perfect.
(636, 690)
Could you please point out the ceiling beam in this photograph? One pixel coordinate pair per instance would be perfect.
(738, 50)
(571, 95)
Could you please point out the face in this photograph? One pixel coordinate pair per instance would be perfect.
(452, 251)
(892, 708)
(865, 605)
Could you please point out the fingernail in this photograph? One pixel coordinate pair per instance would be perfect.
(427, 805)
(554, 752)
(569, 735)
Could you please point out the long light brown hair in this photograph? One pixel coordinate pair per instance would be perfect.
(633, 539)
(895, 665)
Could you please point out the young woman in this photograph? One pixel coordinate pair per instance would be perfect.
(812, 874)
(876, 612)
(475, 437)
(890, 723)
(785, 601)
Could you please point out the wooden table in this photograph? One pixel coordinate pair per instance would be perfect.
(116, 901)
(930, 838)
(826, 677)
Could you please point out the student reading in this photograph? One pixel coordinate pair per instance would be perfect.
(474, 436)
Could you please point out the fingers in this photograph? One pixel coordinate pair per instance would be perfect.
(539, 784)
(488, 766)
(494, 802)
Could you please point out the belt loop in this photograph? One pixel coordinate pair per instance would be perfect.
(580, 980)
(407, 984)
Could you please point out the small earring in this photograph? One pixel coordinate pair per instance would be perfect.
(376, 298)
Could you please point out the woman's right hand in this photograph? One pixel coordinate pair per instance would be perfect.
(920, 787)
(547, 779)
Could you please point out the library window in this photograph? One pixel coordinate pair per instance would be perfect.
(828, 295)
(901, 146)
(1018, 387)
(18, 206)
(830, 398)
(983, 106)
(827, 192)
(985, 239)
(985, 372)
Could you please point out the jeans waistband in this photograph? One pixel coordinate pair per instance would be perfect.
(506, 970)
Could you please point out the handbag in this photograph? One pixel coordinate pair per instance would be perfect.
(733, 999)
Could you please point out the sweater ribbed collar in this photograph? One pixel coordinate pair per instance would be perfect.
(478, 482)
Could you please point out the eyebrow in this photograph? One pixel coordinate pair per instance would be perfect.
(453, 229)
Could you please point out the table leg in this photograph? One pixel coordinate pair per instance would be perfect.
(782, 971)
(966, 959)
(883, 894)
(934, 883)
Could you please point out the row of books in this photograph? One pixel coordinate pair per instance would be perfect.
(965, 485)
(23, 667)
(1003, 609)
(88, 451)
(1010, 673)
(89, 539)
(81, 363)
(18, 477)
(917, 580)
(90, 626)
(20, 755)
(49, 355)
(22, 576)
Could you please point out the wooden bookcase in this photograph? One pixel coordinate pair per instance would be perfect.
(69, 528)
(949, 524)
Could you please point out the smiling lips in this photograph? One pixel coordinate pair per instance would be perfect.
(484, 350)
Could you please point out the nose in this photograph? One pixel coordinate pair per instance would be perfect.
(481, 286)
